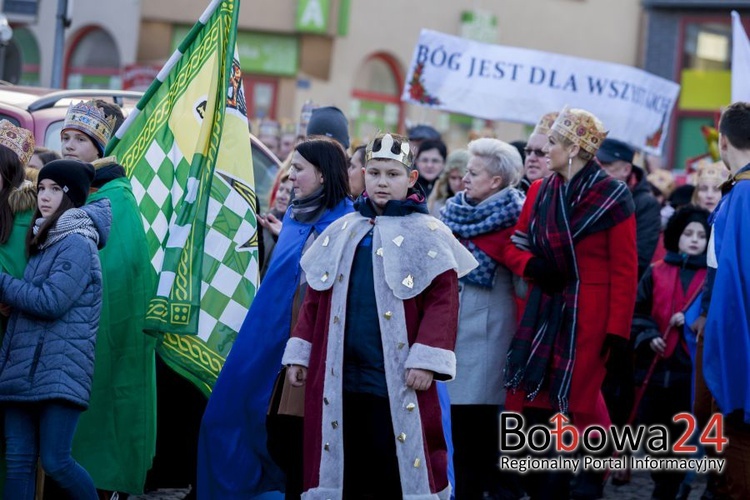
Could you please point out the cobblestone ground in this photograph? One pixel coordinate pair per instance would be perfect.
(639, 489)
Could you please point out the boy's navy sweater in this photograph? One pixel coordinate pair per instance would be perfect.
(364, 369)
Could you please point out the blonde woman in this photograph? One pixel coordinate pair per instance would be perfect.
(708, 180)
(575, 244)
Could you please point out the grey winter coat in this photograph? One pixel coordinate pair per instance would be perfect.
(486, 325)
(47, 352)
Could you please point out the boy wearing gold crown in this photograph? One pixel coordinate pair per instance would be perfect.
(85, 132)
(116, 437)
(377, 327)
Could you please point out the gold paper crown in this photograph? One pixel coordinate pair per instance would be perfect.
(90, 119)
(17, 139)
(581, 128)
(663, 180)
(545, 123)
(386, 147)
(711, 171)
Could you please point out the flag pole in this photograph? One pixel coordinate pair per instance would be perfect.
(162, 75)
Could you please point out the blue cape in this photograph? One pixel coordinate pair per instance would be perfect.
(726, 350)
(233, 462)
(692, 312)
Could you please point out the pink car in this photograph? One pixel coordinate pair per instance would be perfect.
(42, 111)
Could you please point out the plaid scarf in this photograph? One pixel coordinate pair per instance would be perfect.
(542, 353)
(499, 211)
(73, 221)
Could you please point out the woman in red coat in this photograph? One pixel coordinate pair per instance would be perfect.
(577, 249)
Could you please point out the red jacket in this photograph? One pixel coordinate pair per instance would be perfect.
(669, 298)
(608, 268)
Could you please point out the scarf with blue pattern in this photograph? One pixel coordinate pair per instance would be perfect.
(468, 220)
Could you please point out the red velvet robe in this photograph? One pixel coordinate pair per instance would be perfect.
(425, 315)
(418, 319)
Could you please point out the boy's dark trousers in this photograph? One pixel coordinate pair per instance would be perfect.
(370, 462)
(476, 438)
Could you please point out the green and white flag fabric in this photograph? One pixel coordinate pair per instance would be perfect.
(186, 150)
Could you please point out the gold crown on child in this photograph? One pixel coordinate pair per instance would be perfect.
(17, 139)
(90, 119)
(389, 150)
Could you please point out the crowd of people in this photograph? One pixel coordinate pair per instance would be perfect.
(408, 296)
(588, 258)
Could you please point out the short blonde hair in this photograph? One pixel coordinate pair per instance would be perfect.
(501, 159)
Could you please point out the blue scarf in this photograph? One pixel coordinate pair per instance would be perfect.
(467, 220)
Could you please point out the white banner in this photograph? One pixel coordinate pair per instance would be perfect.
(514, 84)
(740, 61)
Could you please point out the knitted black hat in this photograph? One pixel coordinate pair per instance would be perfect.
(423, 133)
(74, 177)
(681, 196)
(679, 221)
(331, 122)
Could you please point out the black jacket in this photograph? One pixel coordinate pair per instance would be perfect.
(647, 220)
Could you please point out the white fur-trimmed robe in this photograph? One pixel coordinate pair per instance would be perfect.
(418, 316)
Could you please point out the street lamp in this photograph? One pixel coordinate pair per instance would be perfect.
(6, 34)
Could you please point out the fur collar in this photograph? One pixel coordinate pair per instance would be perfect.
(415, 249)
(23, 199)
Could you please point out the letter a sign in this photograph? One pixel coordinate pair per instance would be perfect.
(312, 16)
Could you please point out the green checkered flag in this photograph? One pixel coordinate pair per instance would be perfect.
(187, 153)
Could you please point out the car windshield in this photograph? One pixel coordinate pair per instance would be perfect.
(52, 136)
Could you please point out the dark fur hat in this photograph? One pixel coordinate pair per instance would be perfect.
(679, 221)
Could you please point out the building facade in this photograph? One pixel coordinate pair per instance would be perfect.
(353, 54)
(690, 42)
(100, 41)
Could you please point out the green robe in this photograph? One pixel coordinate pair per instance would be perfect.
(116, 438)
(13, 254)
(13, 257)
